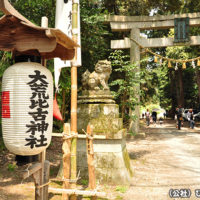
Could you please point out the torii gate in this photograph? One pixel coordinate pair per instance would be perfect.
(136, 23)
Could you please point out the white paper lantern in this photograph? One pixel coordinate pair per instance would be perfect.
(27, 108)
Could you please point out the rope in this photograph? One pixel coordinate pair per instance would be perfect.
(66, 137)
(68, 180)
(165, 58)
(88, 136)
(26, 170)
(41, 186)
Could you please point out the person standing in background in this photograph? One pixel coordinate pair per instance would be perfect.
(147, 115)
(179, 116)
(190, 117)
(154, 116)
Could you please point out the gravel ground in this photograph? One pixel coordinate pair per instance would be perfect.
(166, 159)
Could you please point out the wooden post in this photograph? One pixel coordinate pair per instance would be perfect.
(35, 171)
(41, 192)
(90, 159)
(46, 179)
(38, 174)
(135, 58)
(37, 182)
(66, 159)
(74, 97)
(44, 23)
(41, 172)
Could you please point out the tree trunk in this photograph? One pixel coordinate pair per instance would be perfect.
(177, 89)
(172, 92)
(181, 100)
(111, 6)
(123, 98)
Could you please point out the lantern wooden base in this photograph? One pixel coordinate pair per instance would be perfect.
(40, 172)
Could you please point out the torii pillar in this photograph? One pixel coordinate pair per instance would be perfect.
(135, 58)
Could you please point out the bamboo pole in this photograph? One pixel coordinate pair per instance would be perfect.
(74, 98)
(66, 160)
(73, 126)
(44, 24)
(81, 136)
(78, 192)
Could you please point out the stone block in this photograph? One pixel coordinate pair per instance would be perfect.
(112, 164)
(104, 146)
(103, 117)
(106, 126)
(98, 110)
(114, 176)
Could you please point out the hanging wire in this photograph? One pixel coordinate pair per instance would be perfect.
(169, 59)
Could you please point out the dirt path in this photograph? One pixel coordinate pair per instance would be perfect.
(165, 159)
(12, 187)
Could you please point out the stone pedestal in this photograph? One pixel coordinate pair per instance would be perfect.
(112, 164)
(104, 118)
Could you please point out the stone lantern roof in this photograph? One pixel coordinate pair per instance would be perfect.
(21, 36)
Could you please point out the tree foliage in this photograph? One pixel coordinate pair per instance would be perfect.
(94, 34)
(158, 83)
(34, 10)
(124, 85)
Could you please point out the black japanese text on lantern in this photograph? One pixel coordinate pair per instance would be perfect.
(38, 111)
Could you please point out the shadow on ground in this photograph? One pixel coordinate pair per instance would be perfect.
(4, 195)
(137, 154)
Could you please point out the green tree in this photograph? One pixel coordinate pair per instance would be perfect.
(95, 37)
(34, 10)
(124, 85)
